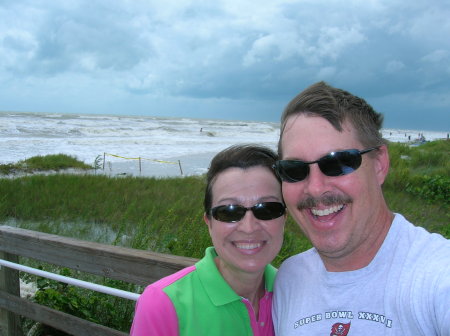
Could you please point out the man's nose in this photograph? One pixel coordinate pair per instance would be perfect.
(316, 183)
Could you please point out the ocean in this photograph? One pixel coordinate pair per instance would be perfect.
(138, 145)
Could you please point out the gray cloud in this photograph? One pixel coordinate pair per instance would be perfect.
(232, 50)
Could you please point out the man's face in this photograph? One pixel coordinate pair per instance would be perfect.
(348, 227)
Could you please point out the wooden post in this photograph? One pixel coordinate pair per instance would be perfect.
(9, 282)
(140, 167)
(104, 154)
(179, 164)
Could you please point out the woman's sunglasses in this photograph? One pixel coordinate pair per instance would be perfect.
(333, 164)
(232, 213)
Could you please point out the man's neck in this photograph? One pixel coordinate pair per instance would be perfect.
(365, 253)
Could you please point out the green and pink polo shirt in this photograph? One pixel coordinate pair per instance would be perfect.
(198, 301)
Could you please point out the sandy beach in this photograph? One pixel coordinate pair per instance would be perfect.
(184, 165)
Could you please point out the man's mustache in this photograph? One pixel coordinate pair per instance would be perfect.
(329, 199)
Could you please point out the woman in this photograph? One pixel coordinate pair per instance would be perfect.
(229, 291)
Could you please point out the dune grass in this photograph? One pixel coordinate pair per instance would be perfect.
(54, 162)
(418, 184)
(165, 215)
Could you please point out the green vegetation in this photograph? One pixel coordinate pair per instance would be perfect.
(418, 184)
(165, 215)
(95, 307)
(55, 162)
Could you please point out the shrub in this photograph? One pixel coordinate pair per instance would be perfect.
(430, 188)
(89, 305)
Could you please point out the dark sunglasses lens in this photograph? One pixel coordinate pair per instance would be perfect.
(268, 210)
(262, 211)
(340, 163)
(228, 213)
(292, 170)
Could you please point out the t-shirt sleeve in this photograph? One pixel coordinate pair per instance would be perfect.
(155, 314)
(442, 299)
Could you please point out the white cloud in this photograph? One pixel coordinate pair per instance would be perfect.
(333, 40)
(432, 25)
(274, 47)
(17, 47)
(227, 49)
(326, 73)
(437, 56)
(87, 62)
(394, 66)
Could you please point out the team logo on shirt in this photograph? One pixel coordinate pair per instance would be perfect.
(340, 329)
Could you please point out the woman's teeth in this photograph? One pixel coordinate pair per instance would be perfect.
(247, 246)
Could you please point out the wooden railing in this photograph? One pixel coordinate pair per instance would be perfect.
(133, 266)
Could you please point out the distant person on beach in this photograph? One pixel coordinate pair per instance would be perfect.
(229, 291)
(370, 272)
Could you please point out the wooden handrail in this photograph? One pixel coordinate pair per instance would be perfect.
(130, 265)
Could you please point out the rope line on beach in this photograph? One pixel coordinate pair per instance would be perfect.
(141, 158)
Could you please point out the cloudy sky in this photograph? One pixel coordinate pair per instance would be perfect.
(225, 59)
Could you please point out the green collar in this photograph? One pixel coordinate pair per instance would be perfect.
(218, 290)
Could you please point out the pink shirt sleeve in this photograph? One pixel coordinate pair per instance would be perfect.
(154, 314)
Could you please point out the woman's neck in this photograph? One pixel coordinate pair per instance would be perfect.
(247, 285)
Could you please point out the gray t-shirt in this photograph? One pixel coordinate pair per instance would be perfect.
(404, 291)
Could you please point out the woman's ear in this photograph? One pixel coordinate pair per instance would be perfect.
(206, 219)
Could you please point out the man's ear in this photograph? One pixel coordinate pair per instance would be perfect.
(382, 163)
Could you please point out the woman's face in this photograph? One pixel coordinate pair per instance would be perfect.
(249, 244)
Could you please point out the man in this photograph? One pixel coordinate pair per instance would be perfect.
(371, 272)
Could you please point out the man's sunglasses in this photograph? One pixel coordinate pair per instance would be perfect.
(333, 164)
(232, 213)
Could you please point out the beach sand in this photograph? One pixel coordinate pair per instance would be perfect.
(197, 164)
(188, 165)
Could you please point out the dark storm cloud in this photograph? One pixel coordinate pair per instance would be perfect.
(83, 37)
(389, 52)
